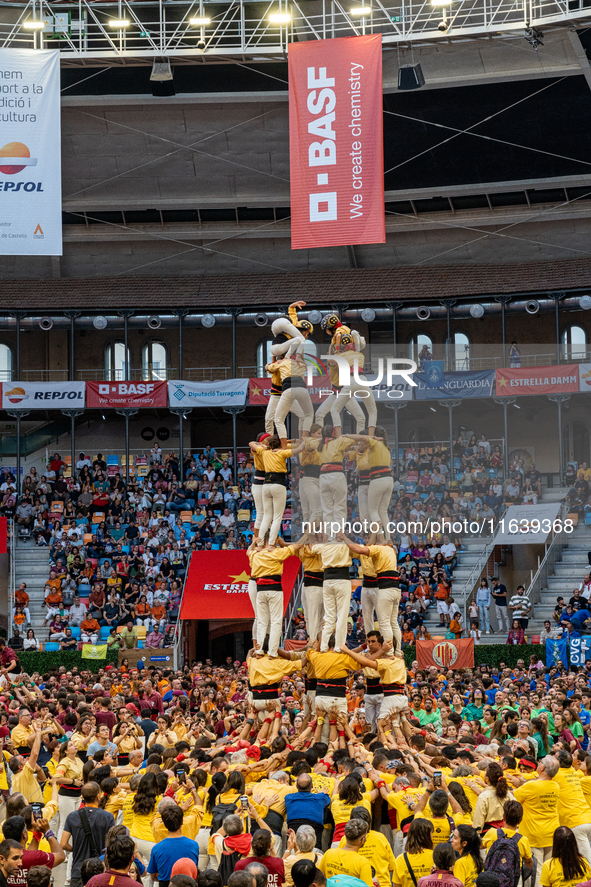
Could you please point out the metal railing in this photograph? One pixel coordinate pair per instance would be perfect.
(472, 583)
(12, 540)
(552, 553)
(244, 28)
(178, 628)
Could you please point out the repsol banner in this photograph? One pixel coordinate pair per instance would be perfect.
(30, 153)
(43, 395)
(335, 142)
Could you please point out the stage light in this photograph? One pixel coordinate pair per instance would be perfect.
(410, 77)
(154, 322)
(208, 320)
(423, 313)
(32, 25)
(532, 306)
(261, 320)
(314, 316)
(199, 21)
(368, 315)
(100, 322)
(585, 302)
(477, 311)
(360, 10)
(161, 70)
(119, 23)
(280, 18)
(46, 323)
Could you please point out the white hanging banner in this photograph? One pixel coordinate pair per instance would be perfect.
(30, 153)
(528, 524)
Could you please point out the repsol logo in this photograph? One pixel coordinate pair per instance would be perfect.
(59, 395)
(21, 186)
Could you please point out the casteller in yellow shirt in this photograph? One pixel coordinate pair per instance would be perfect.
(539, 798)
(346, 862)
(379, 854)
(420, 863)
(553, 875)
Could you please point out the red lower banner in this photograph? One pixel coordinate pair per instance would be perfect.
(217, 585)
(126, 394)
(537, 380)
(446, 654)
(259, 390)
(336, 142)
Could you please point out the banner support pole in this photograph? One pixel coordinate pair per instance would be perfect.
(505, 402)
(18, 415)
(127, 414)
(73, 414)
(559, 399)
(233, 411)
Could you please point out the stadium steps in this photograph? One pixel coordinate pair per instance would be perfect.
(32, 567)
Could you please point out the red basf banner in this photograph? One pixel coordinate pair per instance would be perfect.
(126, 394)
(217, 585)
(336, 142)
(537, 380)
(446, 654)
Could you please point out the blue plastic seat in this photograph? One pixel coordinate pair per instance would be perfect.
(51, 646)
(76, 633)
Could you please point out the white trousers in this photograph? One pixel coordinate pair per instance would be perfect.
(333, 499)
(369, 605)
(502, 618)
(313, 604)
(252, 593)
(269, 612)
(288, 398)
(272, 407)
(393, 705)
(274, 499)
(295, 343)
(378, 500)
(257, 498)
(337, 598)
(372, 705)
(309, 490)
(351, 405)
(388, 601)
(202, 841)
(348, 393)
(582, 835)
(362, 502)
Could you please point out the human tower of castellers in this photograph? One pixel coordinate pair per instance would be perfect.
(325, 549)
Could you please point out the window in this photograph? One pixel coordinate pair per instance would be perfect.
(574, 343)
(461, 351)
(115, 361)
(5, 363)
(264, 356)
(416, 345)
(154, 362)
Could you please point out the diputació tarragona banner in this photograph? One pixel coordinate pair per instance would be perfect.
(336, 142)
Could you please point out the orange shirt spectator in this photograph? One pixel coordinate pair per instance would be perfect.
(158, 612)
(455, 626)
(89, 626)
(408, 637)
(19, 618)
(21, 598)
(54, 598)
